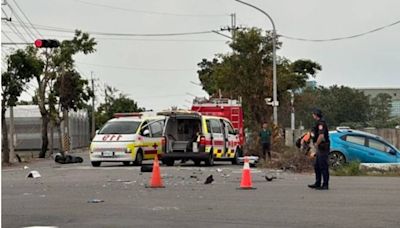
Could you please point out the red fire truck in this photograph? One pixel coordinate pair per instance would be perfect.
(223, 107)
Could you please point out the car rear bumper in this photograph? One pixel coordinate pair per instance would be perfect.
(185, 155)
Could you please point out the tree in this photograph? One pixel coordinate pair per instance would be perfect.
(246, 72)
(114, 103)
(59, 62)
(22, 66)
(381, 107)
(340, 105)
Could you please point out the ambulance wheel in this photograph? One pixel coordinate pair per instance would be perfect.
(96, 164)
(139, 158)
(235, 160)
(210, 160)
(126, 163)
(169, 162)
(197, 162)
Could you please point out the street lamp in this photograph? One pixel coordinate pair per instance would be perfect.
(275, 93)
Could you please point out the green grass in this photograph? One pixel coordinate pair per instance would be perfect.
(353, 169)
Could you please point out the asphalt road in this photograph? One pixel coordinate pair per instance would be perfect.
(61, 198)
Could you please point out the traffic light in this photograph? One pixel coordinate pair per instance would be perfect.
(47, 43)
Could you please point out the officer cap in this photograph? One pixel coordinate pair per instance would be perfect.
(317, 112)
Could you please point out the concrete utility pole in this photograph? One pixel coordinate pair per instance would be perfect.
(12, 152)
(233, 24)
(93, 109)
(292, 119)
(275, 102)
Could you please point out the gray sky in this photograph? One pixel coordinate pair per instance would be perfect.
(156, 71)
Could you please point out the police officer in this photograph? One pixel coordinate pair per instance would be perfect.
(322, 145)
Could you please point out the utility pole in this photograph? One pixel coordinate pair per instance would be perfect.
(233, 24)
(93, 109)
(12, 152)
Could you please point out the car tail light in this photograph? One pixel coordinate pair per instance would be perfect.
(202, 141)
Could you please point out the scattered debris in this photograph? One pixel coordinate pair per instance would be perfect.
(26, 167)
(40, 227)
(59, 158)
(269, 178)
(219, 170)
(146, 168)
(42, 196)
(119, 180)
(27, 194)
(209, 179)
(96, 201)
(33, 174)
(193, 176)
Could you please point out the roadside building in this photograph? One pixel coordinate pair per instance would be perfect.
(393, 92)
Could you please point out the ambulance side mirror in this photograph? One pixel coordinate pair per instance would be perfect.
(97, 131)
(146, 133)
(236, 131)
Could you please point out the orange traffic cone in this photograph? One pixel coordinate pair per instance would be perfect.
(156, 181)
(246, 176)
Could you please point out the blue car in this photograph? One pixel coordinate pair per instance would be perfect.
(350, 145)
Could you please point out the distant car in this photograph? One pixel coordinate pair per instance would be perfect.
(351, 145)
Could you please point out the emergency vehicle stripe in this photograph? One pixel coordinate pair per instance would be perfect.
(150, 152)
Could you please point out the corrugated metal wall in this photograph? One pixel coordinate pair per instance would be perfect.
(28, 123)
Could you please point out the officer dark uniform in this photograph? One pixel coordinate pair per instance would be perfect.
(321, 166)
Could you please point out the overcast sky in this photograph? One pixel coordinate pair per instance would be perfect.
(157, 71)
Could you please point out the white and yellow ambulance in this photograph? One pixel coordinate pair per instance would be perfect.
(129, 138)
(193, 136)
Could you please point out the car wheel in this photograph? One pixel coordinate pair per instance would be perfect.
(197, 162)
(126, 163)
(235, 160)
(210, 159)
(336, 159)
(139, 158)
(96, 164)
(169, 162)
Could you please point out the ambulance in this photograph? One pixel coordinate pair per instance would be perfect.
(129, 138)
(193, 136)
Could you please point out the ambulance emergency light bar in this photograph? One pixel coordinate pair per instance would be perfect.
(127, 114)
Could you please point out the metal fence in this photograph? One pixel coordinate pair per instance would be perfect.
(28, 122)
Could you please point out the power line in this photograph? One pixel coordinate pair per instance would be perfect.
(342, 38)
(16, 31)
(26, 17)
(8, 38)
(135, 68)
(136, 39)
(150, 12)
(57, 29)
(29, 32)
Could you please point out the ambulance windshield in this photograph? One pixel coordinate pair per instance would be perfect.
(123, 127)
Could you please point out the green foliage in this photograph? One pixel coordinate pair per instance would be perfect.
(114, 103)
(246, 72)
(340, 105)
(22, 66)
(72, 90)
(381, 106)
(348, 169)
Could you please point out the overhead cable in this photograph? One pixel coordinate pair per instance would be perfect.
(344, 37)
(150, 12)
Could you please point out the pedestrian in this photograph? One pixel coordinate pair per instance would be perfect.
(265, 136)
(322, 146)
